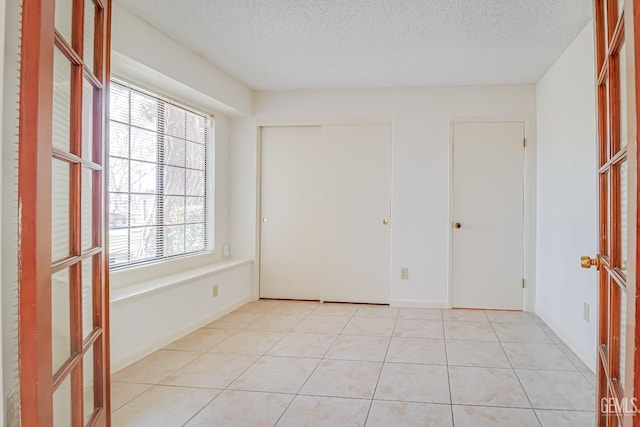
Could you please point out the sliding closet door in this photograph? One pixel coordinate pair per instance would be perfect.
(290, 227)
(356, 203)
(325, 232)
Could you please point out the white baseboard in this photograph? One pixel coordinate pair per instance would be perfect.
(120, 364)
(409, 303)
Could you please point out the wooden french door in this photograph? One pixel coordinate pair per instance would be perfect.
(63, 294)
(617, 150)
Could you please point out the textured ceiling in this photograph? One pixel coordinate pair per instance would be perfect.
(317, 44)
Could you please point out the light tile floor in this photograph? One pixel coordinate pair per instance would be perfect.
(294, 363)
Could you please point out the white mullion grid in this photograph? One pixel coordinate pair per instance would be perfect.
(161, 140)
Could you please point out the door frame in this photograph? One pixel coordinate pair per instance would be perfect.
(529, 220)
(310, 122)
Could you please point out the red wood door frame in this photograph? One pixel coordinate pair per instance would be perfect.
(34, 276)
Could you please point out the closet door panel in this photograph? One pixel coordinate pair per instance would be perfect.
(290, 221)
(356, 200)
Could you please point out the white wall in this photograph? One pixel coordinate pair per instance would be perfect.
(141, 49)
(141, 324)
(243, 181)
(567, 185)
(421, 120)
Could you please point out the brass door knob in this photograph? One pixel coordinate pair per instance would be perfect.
(588, 262)
(457, 225)
(385, 221)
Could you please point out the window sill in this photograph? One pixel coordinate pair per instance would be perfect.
(123, 293)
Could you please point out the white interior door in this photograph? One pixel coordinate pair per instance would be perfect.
(290, 230)
(488, 198)
(356, 202)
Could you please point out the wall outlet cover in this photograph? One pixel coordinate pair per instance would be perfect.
(586, 311)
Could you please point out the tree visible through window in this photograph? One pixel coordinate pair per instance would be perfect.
(157, 178)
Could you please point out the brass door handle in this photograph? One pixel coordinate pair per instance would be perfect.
(385, 221)
(588, 262)
(457, 225)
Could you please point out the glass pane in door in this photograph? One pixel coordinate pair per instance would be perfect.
(62, 404)
(603, 121)
(620, 7)
(604, 214)
(87, 209)
(623, 333)
(622, 68)
(606, 125)
(61, 101)
(88, 388)
(60, 320)
(87, 120)
(89, 31)
(63, 18)
(60, 209)
(622, 264)
(87, 297)
(603, 294)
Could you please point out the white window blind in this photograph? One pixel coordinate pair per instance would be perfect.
(157, 178)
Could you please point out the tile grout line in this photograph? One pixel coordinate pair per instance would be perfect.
(548, 331)
(571, 360)
(200, 354)
(314, 369)
(446, 359)
(562, 343)
(231, 382)
(514, 372)
(291, 329)
(557, 346)
(201, 409)
(375, 389)
(226, 388)
(261, 356)
(134, 397)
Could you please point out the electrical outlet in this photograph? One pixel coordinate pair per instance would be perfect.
(226, 251)
(586, 311)
(404, 273)
(214, 290)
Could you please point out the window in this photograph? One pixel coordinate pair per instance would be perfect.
(157, 178)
